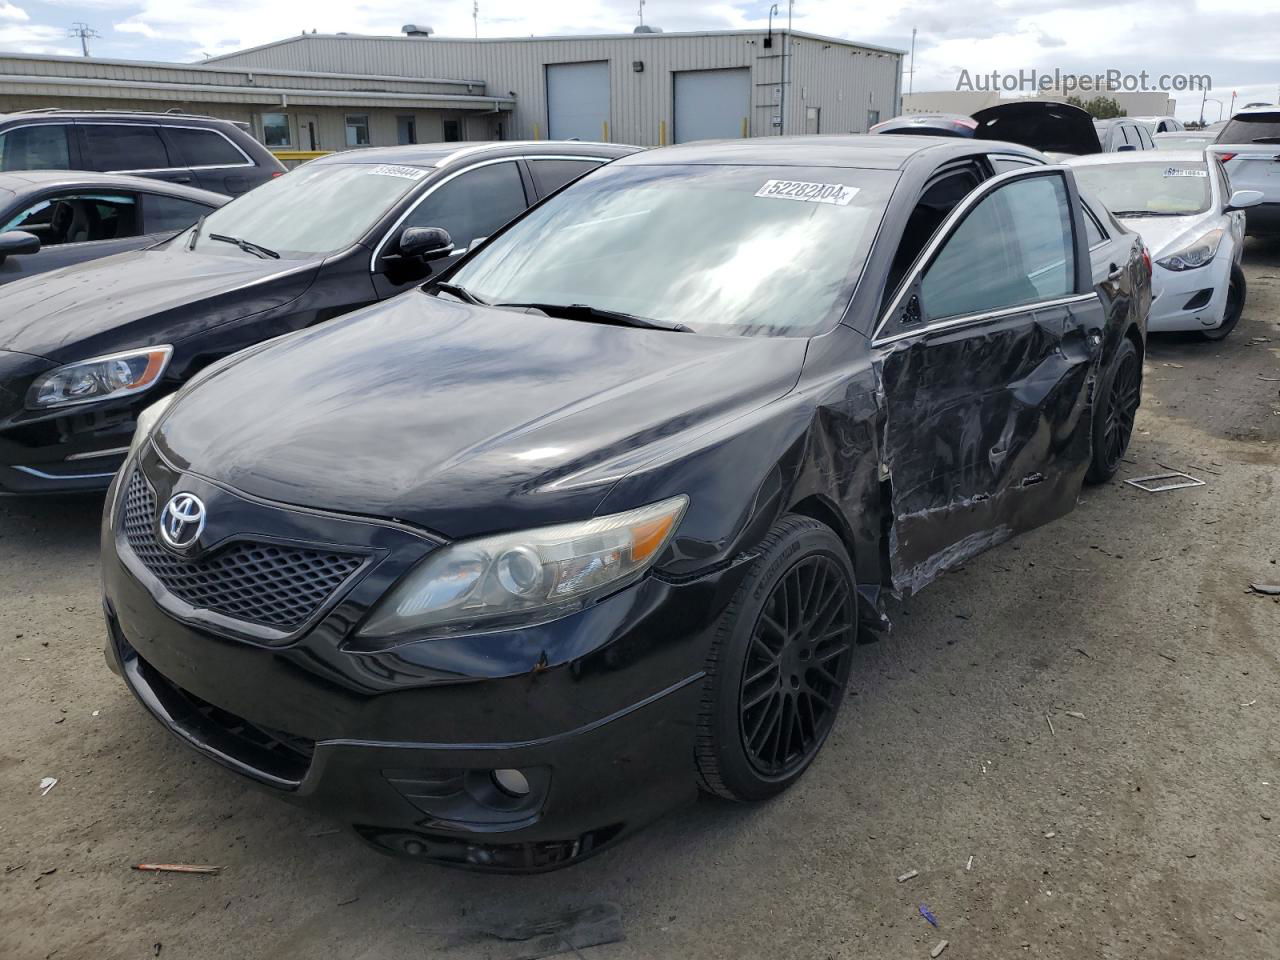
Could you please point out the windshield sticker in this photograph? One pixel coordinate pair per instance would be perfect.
(836, 193)
(1175, 172)
(395, 170)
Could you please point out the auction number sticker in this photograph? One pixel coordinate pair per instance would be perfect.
(1175, 172)
(395, 170)
(836, 193)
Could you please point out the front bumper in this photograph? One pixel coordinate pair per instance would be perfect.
(596, 710)
(1190, 299)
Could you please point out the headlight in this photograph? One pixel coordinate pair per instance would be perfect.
(528, 577)
(147, 421)
(1195, 254)
(102, 378)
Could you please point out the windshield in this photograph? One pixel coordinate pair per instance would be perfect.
(721, 249)
(1171, 188)
(315, 209)
(1252, 128)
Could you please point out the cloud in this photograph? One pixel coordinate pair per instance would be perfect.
(9, 12)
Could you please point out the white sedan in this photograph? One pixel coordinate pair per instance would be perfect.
(1181, 205)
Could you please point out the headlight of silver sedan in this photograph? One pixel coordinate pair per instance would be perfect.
(1200, 252)
(100, 378)
(514, 579)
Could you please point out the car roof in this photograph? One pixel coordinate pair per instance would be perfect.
(1170, 134)
(445, 154)
(1247, 111)
(56, 114)
(1136, 156)
(885, 151)
(26, 181)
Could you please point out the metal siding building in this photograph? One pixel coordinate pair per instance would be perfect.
(842, 85)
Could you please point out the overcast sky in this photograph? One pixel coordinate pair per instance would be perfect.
(1236, 42)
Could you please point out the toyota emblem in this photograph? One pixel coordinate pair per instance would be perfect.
(182, 520)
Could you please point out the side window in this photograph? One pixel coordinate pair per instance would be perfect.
(938, 199)
(205, 148)
(170, 214)
(39, 147)
(1014, 247)
(1145, 137)
(124, 146)
(1093, 231)
(80, 218)
(551, 175)
(1005, 164)
(474, 204)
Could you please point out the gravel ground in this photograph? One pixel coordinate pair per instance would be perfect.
(1145, 823)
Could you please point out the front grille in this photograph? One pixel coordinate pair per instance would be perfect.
(246, 580)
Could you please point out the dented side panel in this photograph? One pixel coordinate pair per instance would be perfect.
(986, 433)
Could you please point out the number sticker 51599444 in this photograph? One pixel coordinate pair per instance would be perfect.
(836, 193)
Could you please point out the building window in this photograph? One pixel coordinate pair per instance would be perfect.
(357, 130)
(452, 131)
(275, 130)
(873, 117)
(406, 130)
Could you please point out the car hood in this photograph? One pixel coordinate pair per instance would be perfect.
(461, 419)
(1164, 235)
(1043, 124)
(146, 296)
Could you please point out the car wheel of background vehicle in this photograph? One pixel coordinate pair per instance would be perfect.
(1235, 307)
(779, 664)
(1120, 392)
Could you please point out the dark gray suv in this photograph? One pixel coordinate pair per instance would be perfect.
(204, 152)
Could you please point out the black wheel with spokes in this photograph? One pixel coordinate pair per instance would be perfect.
(1119, 395)
(779, 664)
(1236, 293)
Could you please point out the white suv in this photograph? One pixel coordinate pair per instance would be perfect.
(1249, 146)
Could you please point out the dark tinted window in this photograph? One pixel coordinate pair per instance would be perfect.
(1260, 127)
(204, 148)
(124, 146)
(1092, 231)
(474, 204)
(41, 147)
(1005, 164)
(170, 214)
(550, 175)
(81, 218)
(1014, 247)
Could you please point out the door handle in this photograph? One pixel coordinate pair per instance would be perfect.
(181, 179)
(1116, 272)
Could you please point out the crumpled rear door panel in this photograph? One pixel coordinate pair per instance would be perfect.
(986, 433)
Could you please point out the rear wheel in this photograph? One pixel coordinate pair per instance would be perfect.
(1235, 307)
(779, 664)
(1119, 394)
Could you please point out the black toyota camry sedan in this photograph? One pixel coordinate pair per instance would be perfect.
(84, 348)
(499, 570)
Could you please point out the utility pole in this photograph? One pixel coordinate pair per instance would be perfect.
(786, 73)
(85, 33)
(475, 18)
(641, 12)
(1204, 93)
(1232, 111)
(911, 74)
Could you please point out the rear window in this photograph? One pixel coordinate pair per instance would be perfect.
(170, 214)
(124, 146)
(39, 147)
(204, 148)
(1252, 128)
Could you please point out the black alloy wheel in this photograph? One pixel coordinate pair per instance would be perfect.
(1236, 294)
(1113, 423)
(779, 664)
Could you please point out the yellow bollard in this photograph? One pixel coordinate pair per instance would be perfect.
(662, 133)
(605, 127)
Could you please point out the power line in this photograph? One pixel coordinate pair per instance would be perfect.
(85, 33)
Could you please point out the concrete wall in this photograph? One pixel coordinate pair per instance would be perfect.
(842, 79)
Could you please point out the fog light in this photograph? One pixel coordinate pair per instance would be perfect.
(511, 782)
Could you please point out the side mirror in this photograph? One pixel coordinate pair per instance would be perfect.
(14, 243)
(425, 243)
(1240, 199)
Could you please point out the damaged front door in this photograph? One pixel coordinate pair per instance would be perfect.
(984, 364)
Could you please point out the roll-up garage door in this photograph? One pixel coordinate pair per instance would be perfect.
(712, 104)
(578, 100)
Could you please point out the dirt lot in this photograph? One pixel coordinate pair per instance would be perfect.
(1150, 827)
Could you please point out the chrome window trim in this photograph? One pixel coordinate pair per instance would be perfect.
(377, 250)
(969, 319)
(945, 229)
(40, 474)
(248, 161)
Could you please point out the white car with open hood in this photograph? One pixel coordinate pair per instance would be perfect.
(1193, 225)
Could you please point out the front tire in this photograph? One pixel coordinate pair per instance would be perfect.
(1119, 393)
(1236, 294)
(779, 664)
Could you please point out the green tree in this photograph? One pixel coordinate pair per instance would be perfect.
(1100, 108)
